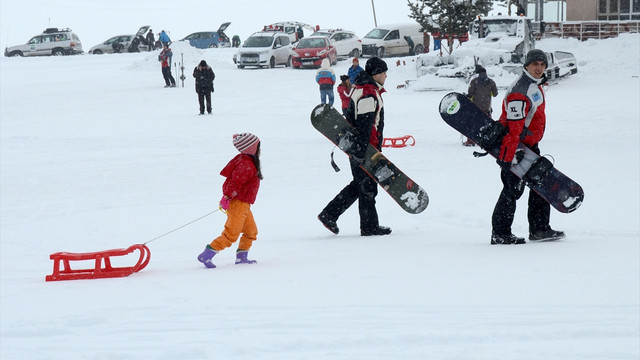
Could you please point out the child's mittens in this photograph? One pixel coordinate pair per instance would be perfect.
(224, 203)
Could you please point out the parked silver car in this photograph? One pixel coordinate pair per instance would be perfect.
(52, 41)
(123, 43)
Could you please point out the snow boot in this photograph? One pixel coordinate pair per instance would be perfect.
(241, 257)
(506, 239)
(328, 223)
(380, 230)
(206, 256)
(546, 235)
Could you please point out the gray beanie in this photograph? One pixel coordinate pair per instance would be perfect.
(536, 55)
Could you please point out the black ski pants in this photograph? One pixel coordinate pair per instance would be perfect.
(168, 78)
(204, 94)
(538, 212)
(364, 189)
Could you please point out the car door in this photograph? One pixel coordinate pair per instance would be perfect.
(337, 40)
(35, 45)
(282, 49)
(393, 43)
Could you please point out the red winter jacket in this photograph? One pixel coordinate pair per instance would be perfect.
(523, 114)
(242, 179)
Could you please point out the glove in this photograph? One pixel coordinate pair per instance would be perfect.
(224, 202)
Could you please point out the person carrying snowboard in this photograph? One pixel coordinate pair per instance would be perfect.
(239, 191)
(165, 62)
(481, 89)
(366, 114)
(204, 76)
(523, 113)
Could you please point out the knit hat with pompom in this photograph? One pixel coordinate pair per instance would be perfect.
(246, 143)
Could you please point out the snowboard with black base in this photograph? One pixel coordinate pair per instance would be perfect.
(409, 195)
(538, 173)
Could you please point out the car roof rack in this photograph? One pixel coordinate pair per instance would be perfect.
(55, 30)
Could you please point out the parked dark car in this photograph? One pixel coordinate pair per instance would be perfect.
(209, 39)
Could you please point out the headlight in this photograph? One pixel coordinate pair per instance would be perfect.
(322, 52)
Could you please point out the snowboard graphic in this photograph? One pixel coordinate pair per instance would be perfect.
(539, 174)
(409, 195)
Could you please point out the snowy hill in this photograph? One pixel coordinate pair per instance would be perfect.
(95, 154)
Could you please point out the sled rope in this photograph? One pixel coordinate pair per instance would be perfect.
(180, 227)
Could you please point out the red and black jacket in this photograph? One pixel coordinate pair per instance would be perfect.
(523, 113)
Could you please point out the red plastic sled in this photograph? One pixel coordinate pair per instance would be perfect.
(100, 270)
(399, 141)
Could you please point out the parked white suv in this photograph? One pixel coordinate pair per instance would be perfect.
(346, 42)
(264, 49)
(52, 41)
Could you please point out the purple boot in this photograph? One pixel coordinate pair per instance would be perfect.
(241, 257)
(206, 256)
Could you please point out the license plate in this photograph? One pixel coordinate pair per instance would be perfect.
(307, 63)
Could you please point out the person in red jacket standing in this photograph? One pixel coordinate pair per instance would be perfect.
(523, 113)
(165, 62)
(239, 193)
(366, 114)
(344, 91)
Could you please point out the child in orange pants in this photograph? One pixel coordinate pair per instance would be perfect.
(239, 193)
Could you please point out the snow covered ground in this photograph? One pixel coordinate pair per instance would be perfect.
(95, 154)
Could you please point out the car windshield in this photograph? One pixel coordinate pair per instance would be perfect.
(507, 26)
(307, 43)
(258, 41)
(319, 33)
(376, 34)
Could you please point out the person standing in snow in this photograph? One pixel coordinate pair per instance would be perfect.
(481, 89)
(326, 78)
(164, 38)
(204, 76)
(344, 91)
(366, 114)
(523, 113)
(165, 62)
(151, 40)
(354, 70)
(239, 190)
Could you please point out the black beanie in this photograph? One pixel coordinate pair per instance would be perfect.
(203, 63)
(375, 66)
(536, 55)
(480, 69)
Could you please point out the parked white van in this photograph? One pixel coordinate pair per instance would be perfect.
(389, 40)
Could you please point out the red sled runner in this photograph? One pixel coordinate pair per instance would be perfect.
(399, 142)
(102, 269)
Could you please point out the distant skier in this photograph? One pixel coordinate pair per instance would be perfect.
(523, 113)
(165, 62)
(204, 76)
(243, 175)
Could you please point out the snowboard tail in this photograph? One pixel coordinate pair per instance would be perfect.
(538, 173)
(410, 196)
